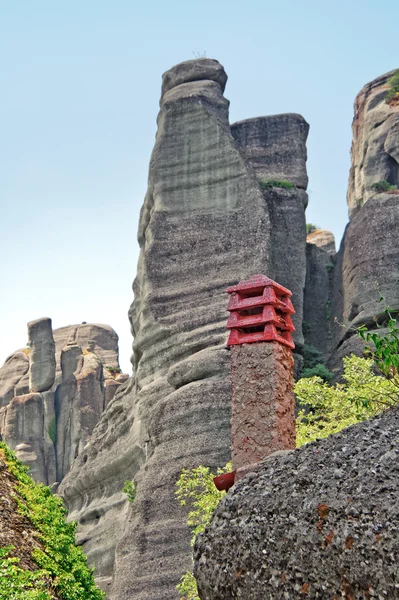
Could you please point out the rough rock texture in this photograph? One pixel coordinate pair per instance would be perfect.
(204, 225)
(320, 264)
(263, 404)
(375, 146)
(365, 270)
(319, 522)
(48, 429)
(275, 147)
(42, 355)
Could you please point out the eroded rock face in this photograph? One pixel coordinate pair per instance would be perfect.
(319, 522)
(204, 225)
(320, 266)
(42, 355)
(48, 429)
(275, 147)
(375, 146)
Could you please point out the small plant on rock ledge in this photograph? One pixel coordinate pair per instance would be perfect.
(392, 96)
(383, 186)
(310, 228)
(270, 183)
(130, 490)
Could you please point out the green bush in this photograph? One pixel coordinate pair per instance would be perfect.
(310, 228)
(394, 86)
(383, 186)
(328, 409)
(130, 490)
(61, 562)
(319, 370)
(311, 356)
(269, 183)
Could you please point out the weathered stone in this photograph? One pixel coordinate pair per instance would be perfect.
(367, 269)
(203, 70)
(42, 355)
(322, 239)
(275, 147)
(11, 373)
(204, 225)
(263, 404)
(79, 400)
(375, 154)
(25, 432)
(320, 522)
(320, 265)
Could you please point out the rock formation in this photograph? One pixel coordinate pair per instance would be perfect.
(319, 522)
(53, 392)
(275, 147)
(205, 224)
(375, 146)
(320, 262)
(367, 265)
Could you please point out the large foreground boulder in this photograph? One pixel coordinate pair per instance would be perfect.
(319, 522)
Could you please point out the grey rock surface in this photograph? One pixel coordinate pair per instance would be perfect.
(275, 147)
(367, 268)
(204, 225)
(41, 356)
(320, 265)
(375, 146)
(48, 429)
(320, 522)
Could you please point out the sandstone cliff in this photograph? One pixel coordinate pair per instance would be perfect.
(205, 224)
(53, 392)
(319, 522)
(367, 264)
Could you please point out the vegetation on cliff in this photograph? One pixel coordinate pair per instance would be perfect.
(38, 554)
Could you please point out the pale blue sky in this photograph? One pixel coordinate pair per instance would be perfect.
(80, 84)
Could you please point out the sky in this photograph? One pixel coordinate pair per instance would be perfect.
(80, 84)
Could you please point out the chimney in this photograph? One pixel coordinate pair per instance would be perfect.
(263, 405)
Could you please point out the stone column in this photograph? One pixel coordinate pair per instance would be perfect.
(42, 355)
(263, 405)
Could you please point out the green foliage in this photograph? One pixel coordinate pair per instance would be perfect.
(63, 562)
(130, 490)
(318, 371)
(384, 349)
(328, 409)
(383, 186)
(52, 430)
(21, 584)
(310, 228)
(113, 369)
(187, 587)
(196, 488)
(269, 183)
(330, 267)
(311, 356)
(394, 86)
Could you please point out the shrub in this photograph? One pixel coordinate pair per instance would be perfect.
(311, 356)
(130, 490)
(319, 370)
(383, 186)
(269, 183)
(394, 86)
(310, 228)
(61, 562)
(196, 487)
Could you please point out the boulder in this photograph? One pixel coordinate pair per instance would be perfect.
(318, 522)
